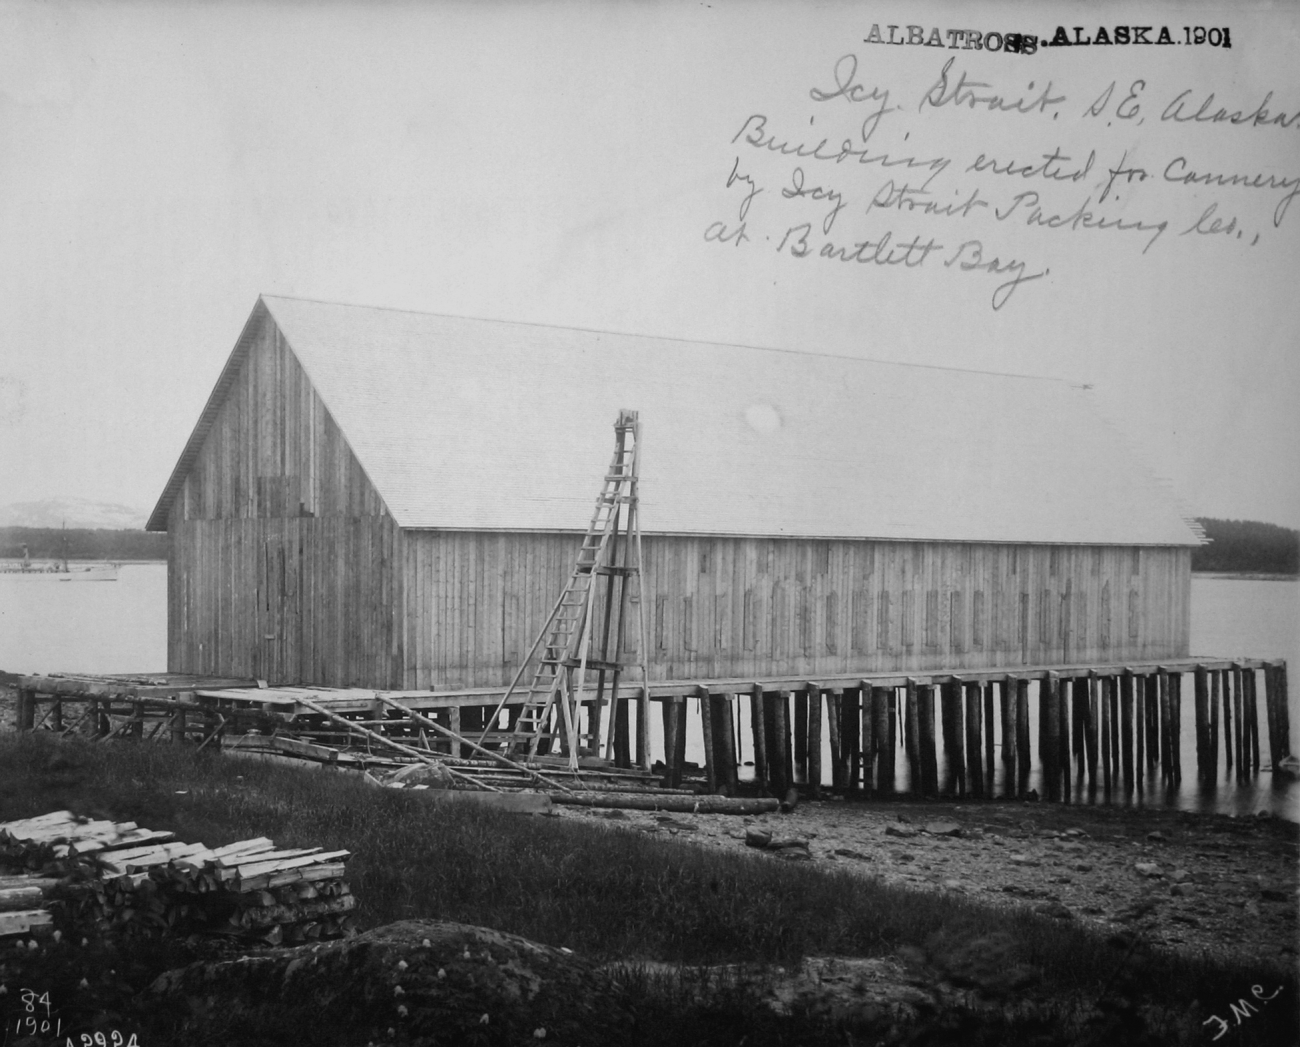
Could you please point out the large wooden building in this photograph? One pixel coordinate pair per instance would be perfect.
(394, 500)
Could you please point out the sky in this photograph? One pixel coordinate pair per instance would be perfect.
(764, 174)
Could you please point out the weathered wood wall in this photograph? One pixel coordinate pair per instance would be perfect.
(282, 553)
(286, 566)
(746, 607)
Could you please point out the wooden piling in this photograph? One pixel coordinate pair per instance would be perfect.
(1113, 682)
(1063, 718)
(1151, 689)
(178, 723)
(1282, 711)
(1023, 751)
(1007, 699)
(1077, 689)
(1243, 771)
(974, 747)
(729, 757)
(1225, 676)
(1201, 703)
(851, 735)
(1176, 725)
(839, 763)
(706, 726)
(1269, 692)
(668, 709)
(1090, 720)
(801, 734)
(1212, 727)
(622, 716)
(1252, 705)
(1126, 728)
(1049, 735)
(25, 712)
(758, 729)
(1166, 761)
(786, 738)
(889, 748)
(869, 746)
(813, 696)
(953, 742)
(778, 783)
(928, 757)
(911, 740)
(1106, 752)
(986, 689)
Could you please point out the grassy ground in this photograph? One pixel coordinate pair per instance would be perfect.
(611, 895)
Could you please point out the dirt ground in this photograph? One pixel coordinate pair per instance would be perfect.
(1184, 881)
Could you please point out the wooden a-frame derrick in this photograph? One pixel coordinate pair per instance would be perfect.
(549, 715)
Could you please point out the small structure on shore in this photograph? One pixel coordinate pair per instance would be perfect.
(392, 501)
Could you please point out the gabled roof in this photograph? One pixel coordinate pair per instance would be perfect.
(478, 424)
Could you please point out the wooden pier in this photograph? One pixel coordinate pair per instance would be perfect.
(1114, 727)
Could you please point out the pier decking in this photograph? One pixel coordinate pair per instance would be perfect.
(1118, 725)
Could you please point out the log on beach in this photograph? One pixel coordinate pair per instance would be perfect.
(677, 804)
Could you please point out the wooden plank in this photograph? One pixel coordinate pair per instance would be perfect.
(24, 921)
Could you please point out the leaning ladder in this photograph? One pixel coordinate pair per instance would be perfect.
(548, 717)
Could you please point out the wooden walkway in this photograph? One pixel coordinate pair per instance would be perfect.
(1118, 724)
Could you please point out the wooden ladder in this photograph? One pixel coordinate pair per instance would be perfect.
(548, 718)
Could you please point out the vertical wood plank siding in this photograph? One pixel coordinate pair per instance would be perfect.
(282, 553)
(755, 607)
(286, 566)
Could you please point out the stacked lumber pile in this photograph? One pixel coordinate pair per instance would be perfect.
(22, 905)
(123, 877)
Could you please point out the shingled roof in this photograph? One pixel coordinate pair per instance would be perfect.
(466, 424)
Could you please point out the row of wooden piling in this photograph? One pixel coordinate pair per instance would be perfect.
(1117, 731)
(1122, 722)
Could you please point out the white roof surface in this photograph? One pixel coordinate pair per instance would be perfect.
(480, 424)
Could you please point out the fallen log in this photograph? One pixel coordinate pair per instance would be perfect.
(699, 804)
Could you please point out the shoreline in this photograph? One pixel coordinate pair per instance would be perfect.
(1245, 576)
(1189, 882)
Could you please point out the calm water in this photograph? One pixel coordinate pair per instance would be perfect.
(119, 627)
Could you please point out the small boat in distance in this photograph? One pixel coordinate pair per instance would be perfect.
(60, 569)
(93, 573)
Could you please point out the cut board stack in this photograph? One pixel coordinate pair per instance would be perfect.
(145, 877)
(22, 905)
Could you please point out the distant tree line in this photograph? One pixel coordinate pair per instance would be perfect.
(1247, 545)
(78, 543)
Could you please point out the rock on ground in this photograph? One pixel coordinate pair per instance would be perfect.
(426, 981)
(1179, 880)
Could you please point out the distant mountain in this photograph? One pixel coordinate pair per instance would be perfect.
(1247, 546)
(74, 513)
